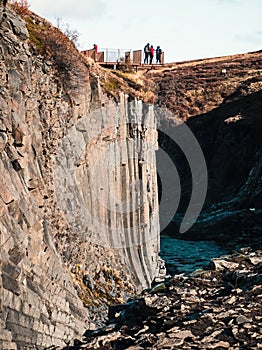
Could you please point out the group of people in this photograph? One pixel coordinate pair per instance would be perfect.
(149, 52)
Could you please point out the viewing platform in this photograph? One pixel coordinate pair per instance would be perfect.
(115, 58)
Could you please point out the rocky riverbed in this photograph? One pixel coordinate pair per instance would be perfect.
(216, 308)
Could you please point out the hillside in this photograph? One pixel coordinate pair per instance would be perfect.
(196, 87)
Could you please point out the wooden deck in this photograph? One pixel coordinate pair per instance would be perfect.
(135, 66)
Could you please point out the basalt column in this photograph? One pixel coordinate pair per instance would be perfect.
(106, 183)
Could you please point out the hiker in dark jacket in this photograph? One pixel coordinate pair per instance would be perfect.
(158, 54)
(146, 52)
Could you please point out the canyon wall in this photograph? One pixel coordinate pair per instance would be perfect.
(223, 111)
(78, 196)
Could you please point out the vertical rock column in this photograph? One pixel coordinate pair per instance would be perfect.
(106, 183)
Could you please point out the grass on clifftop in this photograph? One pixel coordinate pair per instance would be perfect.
(50, 42)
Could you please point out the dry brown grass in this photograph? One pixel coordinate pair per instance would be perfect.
(52, 44)
(20, 6)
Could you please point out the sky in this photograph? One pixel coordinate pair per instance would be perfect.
(184, 29)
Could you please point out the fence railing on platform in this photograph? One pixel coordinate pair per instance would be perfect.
(117, 56)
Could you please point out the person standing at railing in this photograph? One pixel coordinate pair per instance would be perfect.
(158, 54)
(95, 51)
(151, 53)
(146, 52)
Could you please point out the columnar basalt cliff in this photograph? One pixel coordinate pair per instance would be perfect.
(219, 306)
(78, 194)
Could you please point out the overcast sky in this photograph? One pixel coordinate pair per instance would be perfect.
(185, 29)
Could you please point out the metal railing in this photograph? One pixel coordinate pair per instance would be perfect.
(107, 55)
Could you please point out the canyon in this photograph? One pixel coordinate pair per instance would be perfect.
(81, 193)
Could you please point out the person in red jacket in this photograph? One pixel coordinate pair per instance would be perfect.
(151, 53)
(95, 47)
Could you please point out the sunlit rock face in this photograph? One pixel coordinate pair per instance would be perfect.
(105, 183)
(78, 198)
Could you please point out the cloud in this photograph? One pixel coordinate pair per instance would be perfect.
(82, 9)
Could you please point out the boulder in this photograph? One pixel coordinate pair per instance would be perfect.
(222, 264)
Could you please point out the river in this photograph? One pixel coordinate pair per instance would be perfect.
(187, 256)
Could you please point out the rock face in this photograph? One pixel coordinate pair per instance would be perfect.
(78, 196)
(4, 2)
(105, 183)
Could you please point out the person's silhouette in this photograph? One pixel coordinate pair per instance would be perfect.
(158, 54)
(146, 52)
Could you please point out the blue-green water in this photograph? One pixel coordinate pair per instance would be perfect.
(187, 256)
